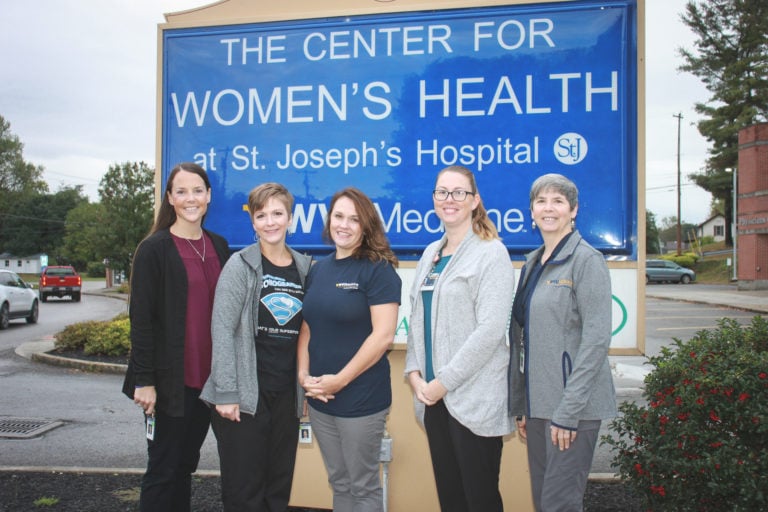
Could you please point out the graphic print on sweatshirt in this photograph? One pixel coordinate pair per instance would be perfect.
(280, 303)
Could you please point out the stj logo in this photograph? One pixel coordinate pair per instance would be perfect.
(570, 148)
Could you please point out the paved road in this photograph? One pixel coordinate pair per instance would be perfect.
(57, 313)
(102, 428)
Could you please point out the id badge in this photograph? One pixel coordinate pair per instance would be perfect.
(151, 427)
(429, 282)
(305, 433)
(522, 359)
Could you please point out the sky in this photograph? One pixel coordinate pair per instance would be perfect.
(78, 84)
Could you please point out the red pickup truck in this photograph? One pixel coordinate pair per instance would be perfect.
(60, 281)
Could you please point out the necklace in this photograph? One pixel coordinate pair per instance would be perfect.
(202, 256)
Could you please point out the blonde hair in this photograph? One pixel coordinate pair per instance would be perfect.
(259, 196)
(481, 224)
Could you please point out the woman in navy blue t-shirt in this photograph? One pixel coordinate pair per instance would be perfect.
(350, 317)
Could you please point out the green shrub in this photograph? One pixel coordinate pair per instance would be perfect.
(687, 260)
(110, 338)
(701, 442)
(96, 269)
(74, 336)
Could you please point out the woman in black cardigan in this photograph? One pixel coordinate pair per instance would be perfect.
(173, 279)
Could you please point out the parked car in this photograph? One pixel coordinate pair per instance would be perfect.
(17, 299)
(660, 271)
(60, 281)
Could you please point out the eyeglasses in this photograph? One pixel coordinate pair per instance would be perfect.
(457, 195)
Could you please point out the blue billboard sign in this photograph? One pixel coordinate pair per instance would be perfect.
(383, 102)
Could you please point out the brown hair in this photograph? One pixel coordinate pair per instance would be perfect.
(481, 224)
(374, 244)
(166, 215)
(259, 196)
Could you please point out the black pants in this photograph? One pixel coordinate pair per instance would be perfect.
(258, 454)
(173, 456)
(466, 465)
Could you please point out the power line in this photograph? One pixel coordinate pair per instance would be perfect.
(670, 187)
(54, 221)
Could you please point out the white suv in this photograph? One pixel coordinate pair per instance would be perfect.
(17, 299)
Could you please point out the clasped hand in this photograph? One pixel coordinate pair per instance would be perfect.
(322, 388)
(428, 393)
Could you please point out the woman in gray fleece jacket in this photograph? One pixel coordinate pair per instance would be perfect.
(457, 355)
(257, 314)
(560, 381)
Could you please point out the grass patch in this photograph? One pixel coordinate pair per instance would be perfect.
(128, 495)
(713, 271)
(46, 501)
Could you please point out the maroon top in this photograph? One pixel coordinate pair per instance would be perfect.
(201, 285)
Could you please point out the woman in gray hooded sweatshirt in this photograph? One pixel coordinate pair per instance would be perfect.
(257, 315)
(560, 382)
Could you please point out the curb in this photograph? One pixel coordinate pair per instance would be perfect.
(94, 471)
(741, 306)
(630, 392)
(39, 351)
(594, 477)
(68, 362)
(604, 477)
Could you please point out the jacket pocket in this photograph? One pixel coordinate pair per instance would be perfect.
(567, 367)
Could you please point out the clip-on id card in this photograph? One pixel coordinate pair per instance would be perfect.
(151, 427)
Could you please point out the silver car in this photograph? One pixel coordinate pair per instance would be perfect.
(17, 299)
(661, 271)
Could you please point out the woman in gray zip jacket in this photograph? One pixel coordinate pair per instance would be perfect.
(561, 386)
(457, 356)
(257, 314)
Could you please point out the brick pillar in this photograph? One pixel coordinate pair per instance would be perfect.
(752, 208)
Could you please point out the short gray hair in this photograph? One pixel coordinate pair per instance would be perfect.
(557, 183)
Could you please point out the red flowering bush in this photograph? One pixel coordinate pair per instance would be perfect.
(701, 441)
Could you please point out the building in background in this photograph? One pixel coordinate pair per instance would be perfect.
(714, 227)
(752, 208)
(21, 264)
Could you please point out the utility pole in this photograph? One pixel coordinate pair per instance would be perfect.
(679, 117)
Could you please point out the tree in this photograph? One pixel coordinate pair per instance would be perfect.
(83, 226)
(731, 59)
(127, 195)
(37, 222)
(668, 231)
(16, 175)
(652, 244)
(18, 179)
